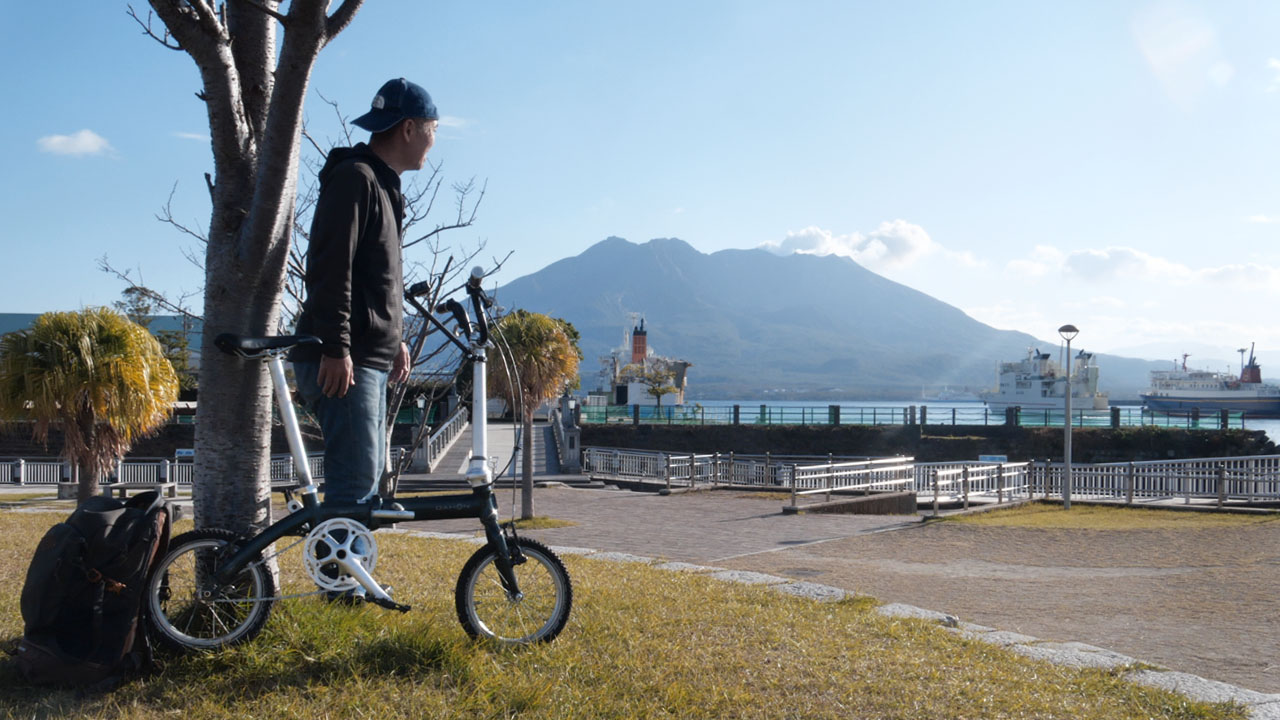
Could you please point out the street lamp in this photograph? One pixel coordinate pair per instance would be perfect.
(1068, 333)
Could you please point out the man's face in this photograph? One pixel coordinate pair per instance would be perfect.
(423, 136)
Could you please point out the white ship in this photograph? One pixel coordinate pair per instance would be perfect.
(1183, 391)
(1038, 383)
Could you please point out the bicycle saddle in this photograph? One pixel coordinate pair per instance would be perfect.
(250, 347)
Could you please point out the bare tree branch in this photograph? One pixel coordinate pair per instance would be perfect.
(259, 6)
(166, 216)
(463, 219)
(179, 307)
(341, 18)
(210, 20)
(163, 39)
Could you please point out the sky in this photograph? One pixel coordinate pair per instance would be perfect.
(1111, 164)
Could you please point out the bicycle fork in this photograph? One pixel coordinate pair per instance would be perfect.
(506, 549)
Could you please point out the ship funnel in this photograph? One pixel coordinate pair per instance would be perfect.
(1252, 373)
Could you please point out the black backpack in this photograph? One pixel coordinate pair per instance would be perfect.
(84, 596)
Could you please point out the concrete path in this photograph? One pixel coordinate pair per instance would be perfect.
(501, 451)
(742, 536)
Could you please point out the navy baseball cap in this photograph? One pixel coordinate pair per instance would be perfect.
(396, 100)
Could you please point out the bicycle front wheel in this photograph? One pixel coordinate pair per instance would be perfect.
(537, 614)
(189, 610)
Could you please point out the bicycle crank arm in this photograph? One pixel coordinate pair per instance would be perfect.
(388, 604)
(375, 592)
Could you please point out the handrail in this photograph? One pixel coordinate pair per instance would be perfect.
(922, 413)
(442, 438)
(1247, 478)
(557, 431)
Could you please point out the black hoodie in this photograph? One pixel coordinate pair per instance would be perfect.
(354, 281)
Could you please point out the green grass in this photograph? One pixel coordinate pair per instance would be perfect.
(765, 495)
(541, 523)
(641, 643)
(1108, 517)
(20, 497)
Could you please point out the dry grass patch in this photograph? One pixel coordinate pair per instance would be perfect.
(1109, 517)
(641, 643)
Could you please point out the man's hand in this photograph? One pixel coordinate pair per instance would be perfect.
(400, 368)
(335, 376)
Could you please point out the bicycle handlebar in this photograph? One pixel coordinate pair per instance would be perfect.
(480, 302)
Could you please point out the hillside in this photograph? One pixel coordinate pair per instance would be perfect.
(752, 322)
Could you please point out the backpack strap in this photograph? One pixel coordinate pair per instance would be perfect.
(99, 593)
(147, 501)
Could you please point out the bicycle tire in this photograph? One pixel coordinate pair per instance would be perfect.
(187, 612)
(485, 610)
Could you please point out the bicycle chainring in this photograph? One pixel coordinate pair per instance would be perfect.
(333, 539)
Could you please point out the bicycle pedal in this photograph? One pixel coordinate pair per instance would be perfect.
(388, 604)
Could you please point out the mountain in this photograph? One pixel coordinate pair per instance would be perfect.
(753, 322)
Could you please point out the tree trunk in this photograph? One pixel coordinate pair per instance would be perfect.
(255, 118)
(233, 420)
(87, 484)
(526, 469)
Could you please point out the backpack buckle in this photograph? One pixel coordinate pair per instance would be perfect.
(112, 586)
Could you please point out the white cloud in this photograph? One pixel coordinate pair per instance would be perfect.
(1182, 49)
(203, 137)
(896, 243)
(452, 121)
(1105, 266)
(1120, 263)
(1247, 275)
(84, 142)
(1273, 65)
(1263, 219)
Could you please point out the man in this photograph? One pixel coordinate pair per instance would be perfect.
(354, 287)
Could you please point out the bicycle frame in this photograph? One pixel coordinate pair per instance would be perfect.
(478, 503)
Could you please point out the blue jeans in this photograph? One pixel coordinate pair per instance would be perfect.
(354, 429)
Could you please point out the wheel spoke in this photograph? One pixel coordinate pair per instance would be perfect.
(485, 608)
(209, 615)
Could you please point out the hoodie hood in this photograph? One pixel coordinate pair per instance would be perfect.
(360, 153)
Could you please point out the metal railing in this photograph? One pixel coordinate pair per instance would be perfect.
(924, 414)
(866, 476)
(1246, 479)
(1250, 479)
(965, 481)
(442, 438)
(52, 471)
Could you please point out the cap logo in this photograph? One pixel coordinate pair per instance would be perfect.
(379, 102)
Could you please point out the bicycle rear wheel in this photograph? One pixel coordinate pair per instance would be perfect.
(189, 610)
(538, 614)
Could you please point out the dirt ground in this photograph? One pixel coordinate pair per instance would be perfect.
(1202, 600)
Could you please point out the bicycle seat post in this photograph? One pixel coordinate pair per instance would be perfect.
(289, 419)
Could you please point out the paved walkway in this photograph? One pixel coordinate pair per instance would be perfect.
(701, 527)
(1126, 597)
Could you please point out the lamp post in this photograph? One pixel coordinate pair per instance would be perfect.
(1068, 333)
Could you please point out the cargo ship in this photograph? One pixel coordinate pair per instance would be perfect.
(1039, 383)
(1182, 392)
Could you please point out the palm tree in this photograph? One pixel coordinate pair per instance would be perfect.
(544, 363)
(101, 379)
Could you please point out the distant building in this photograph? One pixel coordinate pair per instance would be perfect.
(620, 369)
